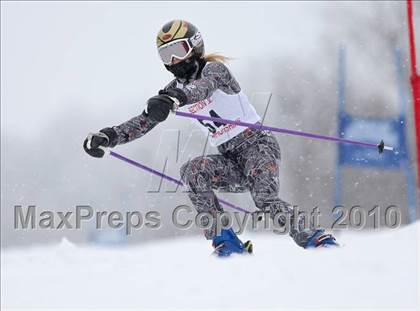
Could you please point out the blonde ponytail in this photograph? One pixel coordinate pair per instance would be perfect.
(216, 57)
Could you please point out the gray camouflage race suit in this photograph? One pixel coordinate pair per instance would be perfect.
(249, 160)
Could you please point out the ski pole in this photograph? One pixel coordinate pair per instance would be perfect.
(381, 146)
(164, 176)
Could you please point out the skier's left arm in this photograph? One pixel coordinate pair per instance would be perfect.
(215, 76)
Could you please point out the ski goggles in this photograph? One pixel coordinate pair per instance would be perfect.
(179, 49)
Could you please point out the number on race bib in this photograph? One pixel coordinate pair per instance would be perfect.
(212, 126)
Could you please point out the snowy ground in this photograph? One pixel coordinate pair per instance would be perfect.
(373, 270)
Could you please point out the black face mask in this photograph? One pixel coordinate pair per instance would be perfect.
(184, 69)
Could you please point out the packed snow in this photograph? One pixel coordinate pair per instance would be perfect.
(376, 269)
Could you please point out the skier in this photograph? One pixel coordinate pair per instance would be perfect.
(248, 157)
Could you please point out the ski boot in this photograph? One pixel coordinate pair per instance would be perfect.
(228, 242)
(319, 238)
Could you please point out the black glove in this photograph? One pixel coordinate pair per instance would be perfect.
(175, 93)
(105, 138)
(159, 106)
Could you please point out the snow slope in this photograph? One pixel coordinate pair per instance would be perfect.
(371, 270)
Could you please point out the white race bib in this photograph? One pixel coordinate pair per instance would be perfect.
(226, 106)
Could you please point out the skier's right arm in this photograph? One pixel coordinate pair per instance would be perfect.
(157, 110)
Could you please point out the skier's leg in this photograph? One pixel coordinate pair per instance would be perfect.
(203, 174)
(261, 166)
